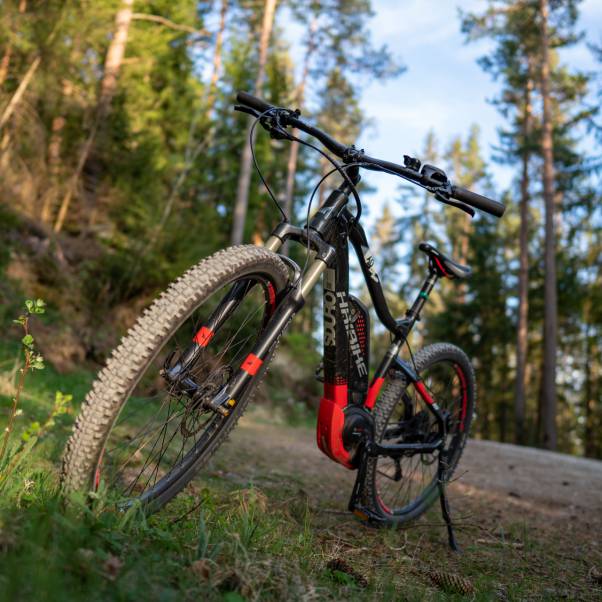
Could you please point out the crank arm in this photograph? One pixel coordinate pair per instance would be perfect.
(402, 449)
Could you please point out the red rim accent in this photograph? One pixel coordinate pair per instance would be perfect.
(98, 471)
(383, 505)
(251, 364)
(464, 395)
(203, 336)
(271, 296)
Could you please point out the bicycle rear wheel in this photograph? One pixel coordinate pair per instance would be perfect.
(399, 490)
(141, 434)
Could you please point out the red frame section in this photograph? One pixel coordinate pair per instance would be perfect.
(373, 392)
(424, 393)
(331, 419)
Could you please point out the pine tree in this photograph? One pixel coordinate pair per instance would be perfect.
(244, 178)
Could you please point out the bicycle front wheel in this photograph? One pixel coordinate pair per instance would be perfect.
(139, 435)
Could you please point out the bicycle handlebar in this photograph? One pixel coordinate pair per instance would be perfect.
(432, 179)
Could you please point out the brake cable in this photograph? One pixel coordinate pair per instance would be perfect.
(257, 169)
(277, 130)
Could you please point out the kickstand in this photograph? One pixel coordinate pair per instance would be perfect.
(445, 505)
(354, 500)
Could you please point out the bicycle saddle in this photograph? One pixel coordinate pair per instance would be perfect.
(444, 265)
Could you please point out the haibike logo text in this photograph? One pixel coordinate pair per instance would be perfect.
(354, 345)
(329, 309)
(370, 263)
(329, 318)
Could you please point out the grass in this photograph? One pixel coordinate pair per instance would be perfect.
(262, 527)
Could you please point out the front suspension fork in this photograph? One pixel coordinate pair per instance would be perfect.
(294, 300)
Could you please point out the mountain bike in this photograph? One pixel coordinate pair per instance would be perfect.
(181, 378)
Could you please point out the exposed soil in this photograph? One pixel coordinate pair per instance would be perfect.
(552, 484)
(528, 521)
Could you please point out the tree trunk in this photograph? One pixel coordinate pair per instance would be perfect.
(8, 52)
(114, 58)
(112, 65)
(217, 60)
(54, 160)
(5, 63)
(548, 414)
(324, 165)
(523, 277)
(16, 98)
(192, 150)
(589, 430)
(293, 156)
(244, 179)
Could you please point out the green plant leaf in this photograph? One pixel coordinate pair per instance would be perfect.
(27, 340)
(37, 363)
(39, 306)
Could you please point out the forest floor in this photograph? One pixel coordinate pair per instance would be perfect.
(268, 516)
(529, 521)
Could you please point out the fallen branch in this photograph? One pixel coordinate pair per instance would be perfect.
(498, 542)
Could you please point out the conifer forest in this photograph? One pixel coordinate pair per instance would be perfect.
(123, 164)
(119, 146)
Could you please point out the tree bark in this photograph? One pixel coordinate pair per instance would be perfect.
(8, 52)
(54, 159)
(16, 98)
(548, 414)
(114, 57)
(523, 276)
(112, 65)
(217, 60)
(5, 63)
(293, 157)
(244, 179)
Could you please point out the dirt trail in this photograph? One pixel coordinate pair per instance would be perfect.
(516, 479)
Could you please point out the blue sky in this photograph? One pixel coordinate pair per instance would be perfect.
(443, 89)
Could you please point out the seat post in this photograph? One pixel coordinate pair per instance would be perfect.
(413, 313)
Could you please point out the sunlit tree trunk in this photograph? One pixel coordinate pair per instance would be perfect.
(217, 59)
(112, 65)
(8, 51)
(244, 178)
(20, 91)
(293, 157)
(548, 409)
(523, 276)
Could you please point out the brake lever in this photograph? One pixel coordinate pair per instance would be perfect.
(442, 196)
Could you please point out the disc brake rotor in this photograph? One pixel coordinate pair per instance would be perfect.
(190, 424)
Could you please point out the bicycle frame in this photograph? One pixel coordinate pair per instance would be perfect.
(345, 425)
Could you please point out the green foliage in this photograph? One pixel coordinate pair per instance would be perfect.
(14, 455)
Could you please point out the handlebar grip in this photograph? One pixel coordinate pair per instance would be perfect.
(482, 203)
(249, 100)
